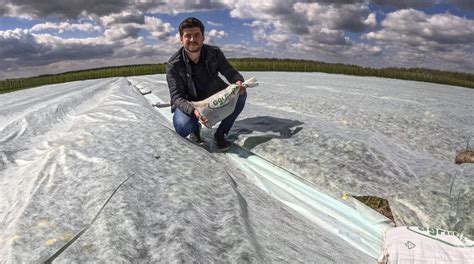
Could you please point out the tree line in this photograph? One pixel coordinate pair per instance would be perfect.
(251, 64)
(414, 74)
(10, 85)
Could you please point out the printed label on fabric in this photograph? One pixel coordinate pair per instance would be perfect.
(223, 100)
(444, 236)
(409, 245)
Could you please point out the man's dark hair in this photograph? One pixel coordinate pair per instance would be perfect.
(190, 22)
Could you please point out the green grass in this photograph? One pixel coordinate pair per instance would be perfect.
(251, 64)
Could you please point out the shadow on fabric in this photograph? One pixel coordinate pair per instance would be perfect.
(272, 125)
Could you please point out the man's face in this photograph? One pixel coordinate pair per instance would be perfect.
(192, 39)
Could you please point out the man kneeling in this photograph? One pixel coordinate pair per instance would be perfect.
(192, 75)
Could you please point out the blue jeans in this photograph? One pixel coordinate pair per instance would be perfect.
(186, 124)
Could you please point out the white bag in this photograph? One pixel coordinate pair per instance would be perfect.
(417, 244)
(217, 107)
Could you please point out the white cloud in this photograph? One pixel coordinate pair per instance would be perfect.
(409, 3)
(353, 17)
(414, 37)
(129, 24)
(371, 20)
(123, 17)
(240, 51)
(416, 28)
(122, 31)
(24, 48)
(181, 6)
(42, 49)
(122, 25)
(214, 24)
(279, 38)
(213, 34)
(261, 30)
(363, 50)
(18, 44)
(174, 40)
(157, 28)
(321, 29)
(65, 26)
(317, 27)
(326, 36)
(63, 9)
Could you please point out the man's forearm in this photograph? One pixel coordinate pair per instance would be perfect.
(177, 92)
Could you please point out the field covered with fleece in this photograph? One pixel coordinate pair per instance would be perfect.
(66, 149)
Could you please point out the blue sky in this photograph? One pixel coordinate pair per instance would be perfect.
(43, 37)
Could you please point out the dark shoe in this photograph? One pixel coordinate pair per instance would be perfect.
(221, 142)
(195, 138)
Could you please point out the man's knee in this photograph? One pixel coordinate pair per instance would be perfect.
(183, 124)
(181, 130)
(184, 128)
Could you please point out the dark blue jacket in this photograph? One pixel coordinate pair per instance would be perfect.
(181, 85)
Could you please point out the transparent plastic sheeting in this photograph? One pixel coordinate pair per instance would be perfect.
(364, 232)
(363, 229)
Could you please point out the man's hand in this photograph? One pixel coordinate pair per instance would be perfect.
(200, 118)
(242, 88)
